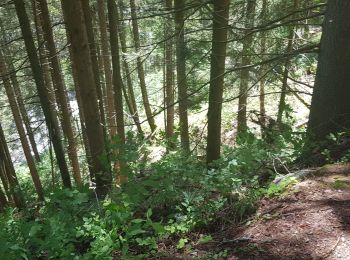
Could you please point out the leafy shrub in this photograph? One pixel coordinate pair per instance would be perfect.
(162, 199)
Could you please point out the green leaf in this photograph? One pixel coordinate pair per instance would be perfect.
(137, 220)
(149, 214)
(182, 242)
(34, 230)
(135, 232)
(205, 239)
(158, 228)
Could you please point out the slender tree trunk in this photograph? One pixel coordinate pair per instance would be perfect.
(52, 124)
(25, 117)
(244, 83)
(61, 94)
(262, 116)
(85, 141)
(107, 67)
(130, 89)
(20, 128)
(52, 162)
(117, 78)
(82, 122)
(169, 76)
(3, 200)
(23, 110)
(282, 103)
(94, 61)
(179, 6)
(164, 83)
(43, 56)
(101, 72)
(140, 69)
(74, 18)
(6, 162)
(219, 39)
(5, 182)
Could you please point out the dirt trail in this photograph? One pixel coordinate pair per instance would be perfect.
(311, 222)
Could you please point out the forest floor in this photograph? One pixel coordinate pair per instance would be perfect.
(310, 221)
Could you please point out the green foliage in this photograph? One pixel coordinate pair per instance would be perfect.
(334, 148)
(46, 231)
(164, 199)
(278, 189)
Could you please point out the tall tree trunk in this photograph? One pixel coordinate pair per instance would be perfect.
(19, 98)
(3, 200)
(117, 78)
(140, 69)
(74, 18)
(282, 102)
(217, 70)
(23, 110)
(169, 77)
(52, 124)
(101, 72)
(130, 89)
(20, 128)
(61, 94)
(94, 61)
(85, 141)
(43, 56)
(6, 162)
(244, 83)
(330, 106)
(107, 67)
(179, 6)
(4, 181)
(262, 116)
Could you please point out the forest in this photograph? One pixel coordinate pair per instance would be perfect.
(174, 129)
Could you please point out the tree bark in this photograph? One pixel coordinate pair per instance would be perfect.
(179, 6)
(52, 124)
(244, 83)
(217, 70)
(7, 166)
(262, 116)
(282, 103)
(130, 89)
(94, 61)
(3, 200)
(20, 128)
(75, 26)
(43, 56)
(117, 80)
(169, 77)
(330, 106)
(23, 110)
(5, 182)
(140, 69)
(107, 67)
(61, 94)
(85, 141)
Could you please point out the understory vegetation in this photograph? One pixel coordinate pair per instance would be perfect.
(163, 203)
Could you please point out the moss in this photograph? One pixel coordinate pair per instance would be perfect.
(341, 184)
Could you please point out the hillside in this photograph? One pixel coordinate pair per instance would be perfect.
(311, 220)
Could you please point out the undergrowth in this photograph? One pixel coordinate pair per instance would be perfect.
(161, 201)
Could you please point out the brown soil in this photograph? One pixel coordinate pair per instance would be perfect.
(311, 222)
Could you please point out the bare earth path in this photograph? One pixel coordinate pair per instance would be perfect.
(311, 222)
